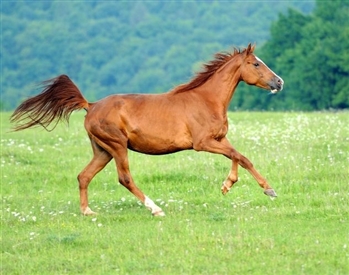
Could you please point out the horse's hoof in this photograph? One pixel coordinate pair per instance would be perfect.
(225, 189)
(88, 212)
(270, 193)
(159, 214)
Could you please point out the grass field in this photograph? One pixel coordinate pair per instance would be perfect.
(305, 157)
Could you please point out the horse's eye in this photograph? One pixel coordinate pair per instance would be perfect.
(256, 64)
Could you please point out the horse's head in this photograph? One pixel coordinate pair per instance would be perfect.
(255, 72)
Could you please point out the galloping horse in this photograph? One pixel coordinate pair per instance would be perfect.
(191, 116)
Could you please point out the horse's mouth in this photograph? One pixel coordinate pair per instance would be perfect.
(277, 88)
(276, 85)
(274, 90)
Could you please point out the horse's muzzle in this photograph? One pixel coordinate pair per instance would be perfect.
(276, 84)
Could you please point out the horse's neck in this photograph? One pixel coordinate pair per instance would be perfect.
(221, 86)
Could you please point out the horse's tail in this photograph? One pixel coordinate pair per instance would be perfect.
(57, 101)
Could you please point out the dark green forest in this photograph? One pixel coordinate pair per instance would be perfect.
(111, 47)
(311, 54)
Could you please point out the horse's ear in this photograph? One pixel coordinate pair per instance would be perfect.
(250, 48)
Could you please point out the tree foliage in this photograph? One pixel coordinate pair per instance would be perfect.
(310, 52)
(122, 47)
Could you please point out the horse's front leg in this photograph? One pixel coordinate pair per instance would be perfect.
(231, 179)
(224, 147)
(239, 159)
(245, 163)
(125, 178)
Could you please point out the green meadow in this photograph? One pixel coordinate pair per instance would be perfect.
(305, 230)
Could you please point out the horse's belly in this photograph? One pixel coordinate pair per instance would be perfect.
(156, 144)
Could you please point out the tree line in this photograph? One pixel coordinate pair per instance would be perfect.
(310, 52)
(111, 47)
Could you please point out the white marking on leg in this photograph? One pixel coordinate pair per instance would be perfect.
(155, 210)
(226, 186)
(88, 211)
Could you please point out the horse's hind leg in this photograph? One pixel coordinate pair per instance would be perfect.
(126, 180)
(113, 142)
(98, 162)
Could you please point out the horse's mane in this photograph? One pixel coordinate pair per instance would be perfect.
(210, 68)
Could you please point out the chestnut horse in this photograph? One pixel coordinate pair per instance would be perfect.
(191, 116)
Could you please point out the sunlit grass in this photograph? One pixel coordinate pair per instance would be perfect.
(304, 156)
